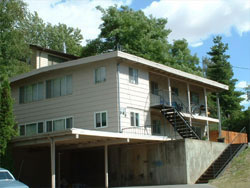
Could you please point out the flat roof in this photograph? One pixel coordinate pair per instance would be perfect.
(132, 58)
(85, 138)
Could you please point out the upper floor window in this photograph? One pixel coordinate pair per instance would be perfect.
(59, 87)
(100, 74)
(133, 75)
(194, 98)
(134, 119)
(175, 91)
(156, 125)
(53, 60)
(30, 93)
(100, 119)
(154, 88)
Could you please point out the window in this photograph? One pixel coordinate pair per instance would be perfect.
(30, 129)
(154, 88)
(134, 119)
(133, 76)
(156, 125)
(40, 127)
(59, 87)
(100, 75)
(194, 98)
(49, 126)
(21, 130)
(31, 93)
(197, 130)
(175, 91)
(53, 60)
(69, 123)
(4, 175)
(59, 125)
(100, 119)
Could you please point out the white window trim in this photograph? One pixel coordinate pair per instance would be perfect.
(101, 119)
(45, 125)
(137, 76)
(95, 75)
(135, 119)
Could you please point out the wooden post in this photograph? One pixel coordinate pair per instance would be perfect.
(59, 170)
(53, 166)
(189, 104)
(206, 111)
(106, 166)
(218, 113)
(169, 93)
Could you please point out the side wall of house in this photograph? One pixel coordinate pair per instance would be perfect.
(134, 97)
(86, 98)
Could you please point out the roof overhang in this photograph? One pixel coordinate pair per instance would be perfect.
(132, 58)
(82, 138)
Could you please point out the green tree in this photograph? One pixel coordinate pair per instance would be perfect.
(220, 70)
(13, 49)
(130, 31)
(7, 119)
(51, 36)
(182, 59)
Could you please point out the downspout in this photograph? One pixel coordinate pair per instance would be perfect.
(118, 97)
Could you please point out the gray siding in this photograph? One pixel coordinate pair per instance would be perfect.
(86, 99)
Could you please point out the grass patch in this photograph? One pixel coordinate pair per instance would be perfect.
(237, 175)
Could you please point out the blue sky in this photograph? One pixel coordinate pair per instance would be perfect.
(198, 21)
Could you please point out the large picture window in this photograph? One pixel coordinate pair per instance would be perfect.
(59, 87)
(134, 119)
(31, 93)
(100, 75)
(100, 119)
(133, 75)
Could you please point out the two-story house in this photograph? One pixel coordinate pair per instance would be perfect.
(108, 99)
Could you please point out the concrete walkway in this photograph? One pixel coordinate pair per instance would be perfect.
(177, 186)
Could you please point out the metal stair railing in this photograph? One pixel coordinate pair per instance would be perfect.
(232, 153)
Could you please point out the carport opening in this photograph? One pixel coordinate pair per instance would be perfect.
(82, 167)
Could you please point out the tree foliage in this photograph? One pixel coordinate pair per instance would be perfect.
(220, 70)
(51, 36)
(13, 49)
(7, 120)
(132, 32)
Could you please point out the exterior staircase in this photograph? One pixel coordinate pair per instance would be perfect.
(218, 166)
(178, 122)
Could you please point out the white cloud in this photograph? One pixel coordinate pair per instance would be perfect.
(241, 85)
(245, 103)
(196, 20)
(74, 13)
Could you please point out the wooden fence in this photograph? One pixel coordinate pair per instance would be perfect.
(229, 137)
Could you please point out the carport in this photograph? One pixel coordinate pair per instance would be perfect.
(82, 138)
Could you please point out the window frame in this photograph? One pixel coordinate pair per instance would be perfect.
(154, 90)
(192, 94)
(23, 92)
(105, 73)
(134, 122)
(134, 78)
(100, 112)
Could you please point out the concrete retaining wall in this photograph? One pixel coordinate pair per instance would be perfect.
(172, 162)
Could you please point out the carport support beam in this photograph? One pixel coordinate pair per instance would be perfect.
(106, 166)
(53, 166)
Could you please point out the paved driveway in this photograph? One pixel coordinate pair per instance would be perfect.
(177, 186)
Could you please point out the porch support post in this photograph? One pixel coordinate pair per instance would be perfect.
(189, 104)
(106, 165)
(218, 113)
(206, 112)
(53, 166)
(169, 93)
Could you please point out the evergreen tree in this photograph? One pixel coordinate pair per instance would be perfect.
(220, 70)
(7, 120)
